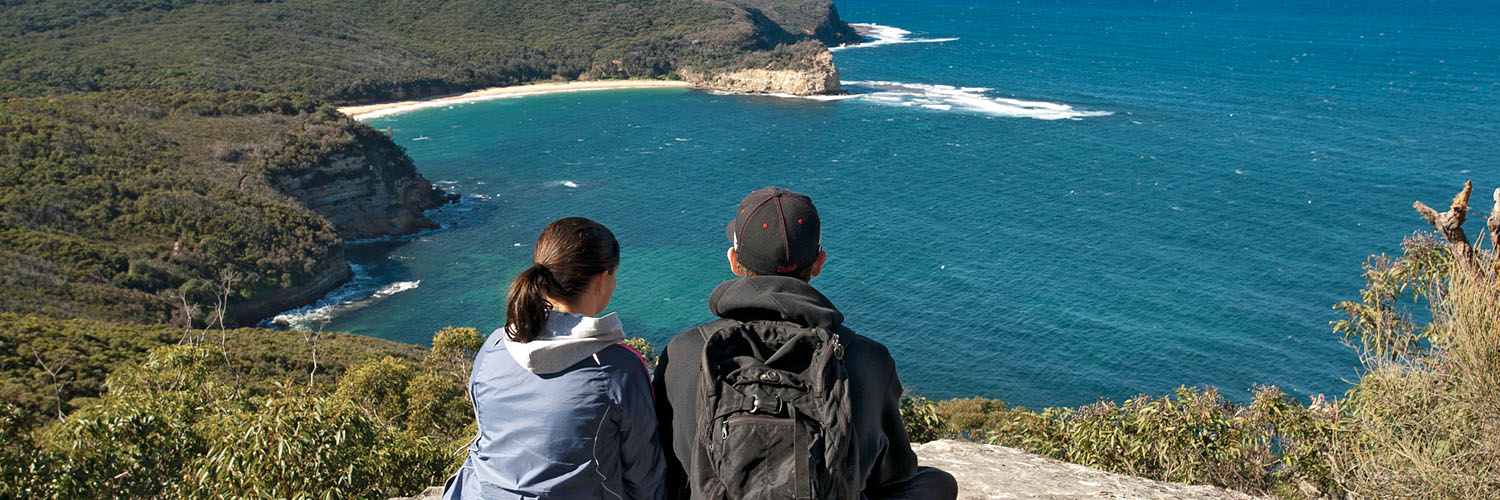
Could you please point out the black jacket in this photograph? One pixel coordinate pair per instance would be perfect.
(885, 459)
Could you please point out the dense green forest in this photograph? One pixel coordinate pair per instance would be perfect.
(146, 205)
(366, 50)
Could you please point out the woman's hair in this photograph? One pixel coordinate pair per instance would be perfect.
(568, 255)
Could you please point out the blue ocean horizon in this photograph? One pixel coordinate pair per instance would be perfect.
(1041, 202)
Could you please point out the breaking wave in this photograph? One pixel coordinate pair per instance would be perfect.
(885, 35)
(970, 99)
(361, 290)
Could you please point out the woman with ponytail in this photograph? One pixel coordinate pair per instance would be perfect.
(564, 409)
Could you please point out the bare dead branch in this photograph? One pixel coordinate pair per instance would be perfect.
(312, 338)
(227, 279)
(1450, 225)
(53, 373)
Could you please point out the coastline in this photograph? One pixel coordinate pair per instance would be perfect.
(368, 111)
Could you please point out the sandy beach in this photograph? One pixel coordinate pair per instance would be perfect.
(367, 111)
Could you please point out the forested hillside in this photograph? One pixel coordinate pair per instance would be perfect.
(366, 50)
(142, 206)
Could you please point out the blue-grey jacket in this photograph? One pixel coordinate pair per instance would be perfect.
(568, 415)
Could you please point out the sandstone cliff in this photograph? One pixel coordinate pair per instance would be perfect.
(813, 74)
(989, 471)
(369, 190)
(364, 185)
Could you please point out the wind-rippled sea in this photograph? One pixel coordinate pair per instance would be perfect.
(1043, 202)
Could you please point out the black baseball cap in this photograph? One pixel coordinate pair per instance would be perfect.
(776, 231)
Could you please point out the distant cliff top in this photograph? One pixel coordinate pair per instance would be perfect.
(367, 51)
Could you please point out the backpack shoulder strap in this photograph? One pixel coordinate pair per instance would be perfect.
(709, 328)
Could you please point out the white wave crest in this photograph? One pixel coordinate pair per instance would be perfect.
(562, 183)
(361, 290)
(970, 99)
(885, 35)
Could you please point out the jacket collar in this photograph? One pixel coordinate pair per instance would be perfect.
(569, 338)
(774, 298)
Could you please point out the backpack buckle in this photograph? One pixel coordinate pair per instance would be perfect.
(755, 405)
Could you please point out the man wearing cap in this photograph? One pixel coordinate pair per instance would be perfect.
(775, 250)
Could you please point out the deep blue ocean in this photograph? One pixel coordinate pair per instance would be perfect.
(1042, 202)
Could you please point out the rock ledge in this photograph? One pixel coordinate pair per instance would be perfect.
(988, 471)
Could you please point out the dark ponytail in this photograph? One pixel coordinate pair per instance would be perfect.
(568, 255)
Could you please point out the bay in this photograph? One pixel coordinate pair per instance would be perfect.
(1042, 202)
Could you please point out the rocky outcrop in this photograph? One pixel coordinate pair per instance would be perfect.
(989, 471)
(814, 76)
(370, 191)
(329, 274)
(366, 187)
(787, 21)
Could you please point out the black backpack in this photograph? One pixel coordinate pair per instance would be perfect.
(775, 418)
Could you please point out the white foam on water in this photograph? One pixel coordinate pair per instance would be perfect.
(562, 183)
(362, 290)
(885, 35)
(963, 99)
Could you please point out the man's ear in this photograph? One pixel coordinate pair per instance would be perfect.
(817, 266)
(734, 261)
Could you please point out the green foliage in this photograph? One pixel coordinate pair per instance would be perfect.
(1422, 421)
(644, 348)
(438, 405)
(304, 446)
(1194, 437)
(1378, 318)
(84, 353)
(378, 386)
(364, 51)
(170, 424)
(921, 418)
(453, 350)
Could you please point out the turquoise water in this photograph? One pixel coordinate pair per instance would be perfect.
(1064, 201)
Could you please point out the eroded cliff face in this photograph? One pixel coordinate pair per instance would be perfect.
(354, 177)
(328, 275)
(815, 75)
(370, 191)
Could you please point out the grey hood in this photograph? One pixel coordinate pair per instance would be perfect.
(569, 339)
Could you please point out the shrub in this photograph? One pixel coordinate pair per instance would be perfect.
(1422, 422)
(438, 405)
(921, 418)
(378, 388)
